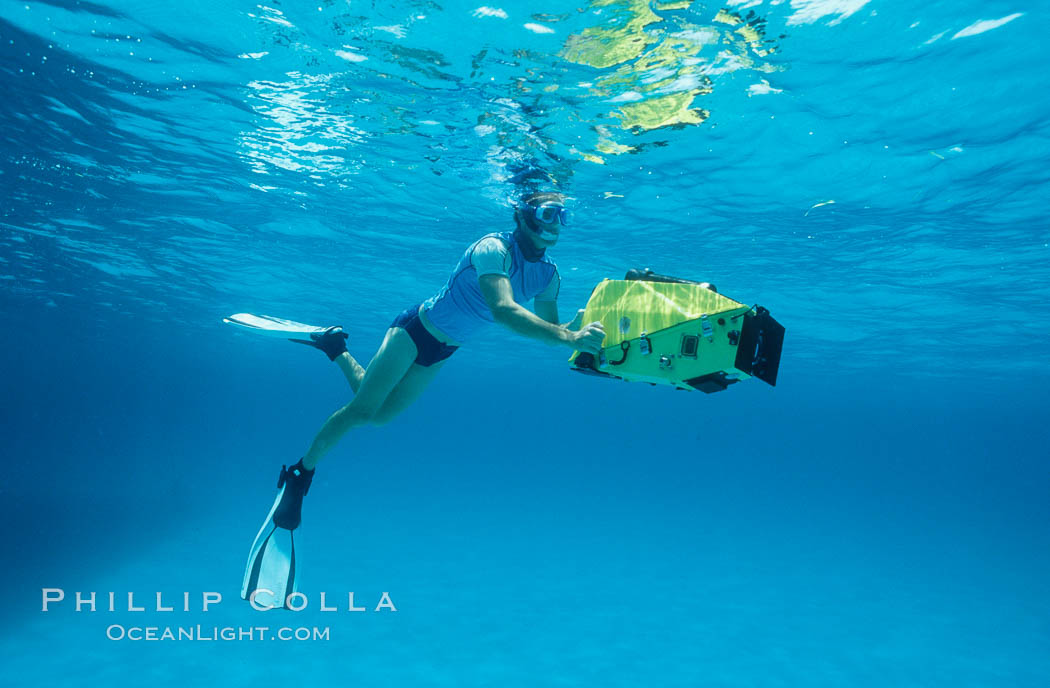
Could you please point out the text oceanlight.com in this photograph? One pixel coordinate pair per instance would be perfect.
(216, 633)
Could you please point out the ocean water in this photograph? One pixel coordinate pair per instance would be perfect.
(874, 173)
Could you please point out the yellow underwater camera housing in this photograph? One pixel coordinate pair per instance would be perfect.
(671, 331)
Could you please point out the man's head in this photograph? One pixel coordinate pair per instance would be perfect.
(541, 216)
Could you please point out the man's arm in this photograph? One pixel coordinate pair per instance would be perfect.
(548, 310)
(500, 299)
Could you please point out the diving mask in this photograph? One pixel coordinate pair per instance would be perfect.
(549, 213)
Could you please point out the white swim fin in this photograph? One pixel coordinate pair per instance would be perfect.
(270, 575)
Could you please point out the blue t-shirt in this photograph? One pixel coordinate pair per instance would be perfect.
(459, 310)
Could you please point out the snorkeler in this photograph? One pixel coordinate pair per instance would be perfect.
(496, 274)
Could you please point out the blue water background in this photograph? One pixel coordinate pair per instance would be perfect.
(879, 518)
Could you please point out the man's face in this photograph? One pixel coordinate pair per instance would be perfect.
(543, 234)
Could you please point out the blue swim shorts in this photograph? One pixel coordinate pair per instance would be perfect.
(430, 349)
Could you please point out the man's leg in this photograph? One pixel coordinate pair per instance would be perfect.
(351, 369)
(407, 391)
(390, 364)
(332, 342)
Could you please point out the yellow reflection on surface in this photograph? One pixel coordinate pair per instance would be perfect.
(656, 60)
